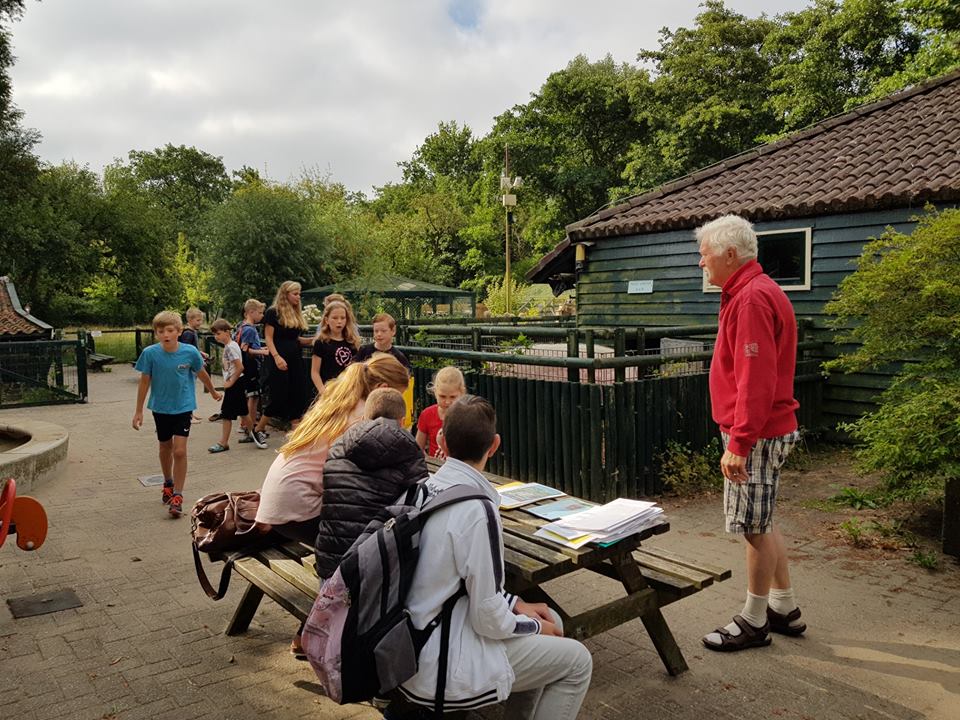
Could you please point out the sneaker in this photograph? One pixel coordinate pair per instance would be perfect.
(218, 448)
(245, 438)
(176, 505)
(167, 492)
(260, 439)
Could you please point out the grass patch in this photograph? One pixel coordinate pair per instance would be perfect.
(927, 559)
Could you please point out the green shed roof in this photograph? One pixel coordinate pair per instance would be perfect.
(390, 286)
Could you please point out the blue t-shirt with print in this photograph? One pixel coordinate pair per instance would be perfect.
(172, 377)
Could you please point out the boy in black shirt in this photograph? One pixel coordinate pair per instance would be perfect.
(384, 330)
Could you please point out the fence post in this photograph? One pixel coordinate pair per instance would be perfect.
(58, 366)
(619, 350)
(591, 353)
(81, 353)
(573, 351)
(137, 343)
(476, 345)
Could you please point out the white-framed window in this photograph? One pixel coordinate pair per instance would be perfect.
(785, 256)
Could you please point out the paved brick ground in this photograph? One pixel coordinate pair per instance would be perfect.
(884, 639)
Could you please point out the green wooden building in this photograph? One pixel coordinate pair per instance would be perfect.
(814, 197)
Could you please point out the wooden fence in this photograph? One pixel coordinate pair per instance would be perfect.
(603, 441)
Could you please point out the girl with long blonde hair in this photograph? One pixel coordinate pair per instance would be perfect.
(292, 491)
(286, 387)
(335, 346)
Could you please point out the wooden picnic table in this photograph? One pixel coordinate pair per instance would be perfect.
(651, 578)
(531, 561)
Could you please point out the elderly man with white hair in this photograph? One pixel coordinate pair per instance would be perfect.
(751, 390)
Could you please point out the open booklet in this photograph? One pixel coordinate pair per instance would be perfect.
(516, 494)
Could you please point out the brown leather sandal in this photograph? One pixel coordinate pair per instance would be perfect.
(786, 624)
(749, 637)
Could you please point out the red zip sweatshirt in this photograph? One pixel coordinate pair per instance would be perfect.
(751, 374)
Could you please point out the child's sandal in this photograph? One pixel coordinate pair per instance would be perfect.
(218, 448)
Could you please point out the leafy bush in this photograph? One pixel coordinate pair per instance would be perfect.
(902, 305)
(687, 472)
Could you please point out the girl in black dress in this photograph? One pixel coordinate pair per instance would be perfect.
(287, 391)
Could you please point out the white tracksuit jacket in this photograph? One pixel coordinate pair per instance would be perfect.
(464, 542)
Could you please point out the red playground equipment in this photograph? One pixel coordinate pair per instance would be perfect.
(21, 516)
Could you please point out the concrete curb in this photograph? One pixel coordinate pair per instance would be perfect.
(41, 457)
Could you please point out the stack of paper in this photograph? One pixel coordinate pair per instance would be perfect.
(603, 524)
(515, 494)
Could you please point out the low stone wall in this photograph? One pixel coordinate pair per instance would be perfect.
(41, 457)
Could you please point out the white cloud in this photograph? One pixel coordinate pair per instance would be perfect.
(349, 87)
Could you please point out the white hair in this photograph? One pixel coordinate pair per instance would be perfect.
(726, 232)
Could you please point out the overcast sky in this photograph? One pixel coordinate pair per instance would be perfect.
(348, 88)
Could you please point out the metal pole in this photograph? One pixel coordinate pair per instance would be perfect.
(506, 277)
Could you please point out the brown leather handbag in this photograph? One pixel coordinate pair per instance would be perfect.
(224, 524)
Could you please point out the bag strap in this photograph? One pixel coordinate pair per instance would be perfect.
(451, 496)
(224, 574)
(445, 621)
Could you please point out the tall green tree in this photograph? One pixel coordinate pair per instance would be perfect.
(19, 167)
(830, 55)
(708, 97)
(570, 141)
(185, 180)
(138, 267)
(259, 237)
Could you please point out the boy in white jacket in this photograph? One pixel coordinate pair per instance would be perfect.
(500, 646)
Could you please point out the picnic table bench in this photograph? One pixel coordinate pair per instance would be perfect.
(95, 360)
(651, 577)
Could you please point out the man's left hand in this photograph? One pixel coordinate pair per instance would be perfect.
(734, 467)
(533, 610)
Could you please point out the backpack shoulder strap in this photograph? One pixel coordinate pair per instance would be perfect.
(451, 496)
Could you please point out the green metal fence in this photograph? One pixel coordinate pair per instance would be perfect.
(42, 372)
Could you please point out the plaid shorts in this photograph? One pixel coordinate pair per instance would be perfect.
(748, 507)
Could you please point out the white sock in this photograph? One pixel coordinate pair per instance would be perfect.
(754, 612)
(782, 601)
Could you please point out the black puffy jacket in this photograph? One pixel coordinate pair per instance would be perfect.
(366, 470)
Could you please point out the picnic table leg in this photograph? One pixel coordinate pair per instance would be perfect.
(629, 573)
(245, 611)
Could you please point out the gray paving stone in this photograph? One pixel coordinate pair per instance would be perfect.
(884, 639)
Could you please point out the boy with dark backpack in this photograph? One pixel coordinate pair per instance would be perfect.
(451, 639)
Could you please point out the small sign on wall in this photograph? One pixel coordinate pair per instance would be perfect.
(639, 287)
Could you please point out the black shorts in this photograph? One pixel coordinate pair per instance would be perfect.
(170, 425)
(251, 384)
(234, 402)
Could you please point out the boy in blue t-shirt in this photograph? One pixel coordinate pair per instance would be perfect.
(168, 369)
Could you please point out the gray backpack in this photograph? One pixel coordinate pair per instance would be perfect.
(358, 636)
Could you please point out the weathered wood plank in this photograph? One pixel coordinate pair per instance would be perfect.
(610, 615)
(292, 571)
(276, 588)
(719, 573)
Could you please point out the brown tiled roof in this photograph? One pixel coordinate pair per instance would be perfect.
(14, 320)
(902, 151)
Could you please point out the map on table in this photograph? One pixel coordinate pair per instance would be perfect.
(559, 508)
(515, 494)
(150, 480)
